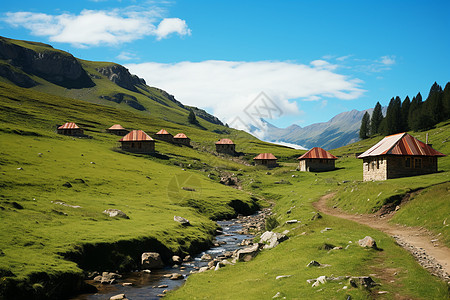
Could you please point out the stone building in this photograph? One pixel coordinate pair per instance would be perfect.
(137, 141)
(71, 129)
(265, 159)
(163, 135)
(399, 155)
(226, 146)
(117, 129)
(317, 160)
(181, 139)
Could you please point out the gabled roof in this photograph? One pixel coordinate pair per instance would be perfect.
(224, 142)
(317, 153)
(401, 144)
(265, 156)
(136, 136)
(116, 127)
(69, 125)
(162, 131)
(180, 136)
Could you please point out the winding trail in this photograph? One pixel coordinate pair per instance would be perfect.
(421, 243)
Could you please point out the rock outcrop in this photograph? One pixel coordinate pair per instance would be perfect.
(122, 77)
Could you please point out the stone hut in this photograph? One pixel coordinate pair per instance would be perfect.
(265, 159)
(137, 141)
(399, 155)
(71, 129)
(226, 146)
(181, 139)
(317, 160)
(163, 135)
(117, 129)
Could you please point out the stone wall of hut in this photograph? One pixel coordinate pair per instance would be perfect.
(316, 165)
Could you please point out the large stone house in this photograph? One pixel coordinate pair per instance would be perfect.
(117, 129)
(265, 159)
(181, 139)
(137, 141)
(226, 146)
(399, 155)
(71, 129)
(317, 160)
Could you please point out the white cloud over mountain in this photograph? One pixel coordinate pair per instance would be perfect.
(98, 27)
(228, 89)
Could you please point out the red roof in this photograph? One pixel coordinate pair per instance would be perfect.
(116, 127)
(136, 136)
(162, 131)
(180, 136)
(69, 125)
(265, 156)
(317, 153)
(401, 144)
(224, 142)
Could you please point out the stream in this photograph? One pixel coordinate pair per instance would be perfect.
(148, 285)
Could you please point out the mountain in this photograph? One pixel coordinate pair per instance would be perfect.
(341, 130)
(43, 68)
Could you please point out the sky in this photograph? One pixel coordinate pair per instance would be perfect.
(290, 62)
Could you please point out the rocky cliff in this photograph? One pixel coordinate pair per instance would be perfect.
(122, 77)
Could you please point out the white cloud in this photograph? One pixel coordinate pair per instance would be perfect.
(124, 55)
(388, 60)
(172, 25)
(98, 27)
(290, 145)
(229, 88)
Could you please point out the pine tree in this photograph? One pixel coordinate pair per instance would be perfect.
(377, 117)
(405, 114)
(446, 101)
(414, 112)
(191, 118)
(434, 107)
(393, 116)
(365, 126)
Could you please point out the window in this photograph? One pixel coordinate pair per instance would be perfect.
(378, 163)
(408, 162)
(417, 163)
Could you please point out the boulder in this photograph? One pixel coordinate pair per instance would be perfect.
(313, 263)
(271, 239)
(206, 256)
(181, 220)
(176, 276)
(118, 297)
(248, 253)
(176, 259)
(111, 212)
(151, 260)
(368, 242)
(362, 281)
(107, 278)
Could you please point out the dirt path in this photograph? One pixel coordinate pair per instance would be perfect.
(420, 242)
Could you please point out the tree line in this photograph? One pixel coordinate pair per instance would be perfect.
(402, 116)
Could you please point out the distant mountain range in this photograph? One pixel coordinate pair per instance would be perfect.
(341, 130)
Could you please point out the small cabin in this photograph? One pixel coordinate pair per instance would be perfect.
(317, 160)
(399, 155)
(226, 146)
(117, 129)
(181, 139)
(265, 159)
(163, 135)
(137, 141)
(71, 129)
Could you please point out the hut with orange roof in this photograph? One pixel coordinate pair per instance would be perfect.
(399, 155)
(137, 141)
(181, 139)
(317, 160)
(117, 129)
(71, 129)
(265, 159)
(163, 135)
(226, 146)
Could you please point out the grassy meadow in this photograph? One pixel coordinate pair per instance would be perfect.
(41, 240)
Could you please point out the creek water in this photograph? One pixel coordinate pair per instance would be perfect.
(146, 285)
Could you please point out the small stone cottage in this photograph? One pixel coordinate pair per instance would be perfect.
(317, 160)
(226, 146)
(163, 135)
(399, 155)
(181, 139)
(71, 129)
(137, 141)
(117, 129)
(265, 159)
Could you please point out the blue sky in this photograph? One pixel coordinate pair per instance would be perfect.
(312, 59)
